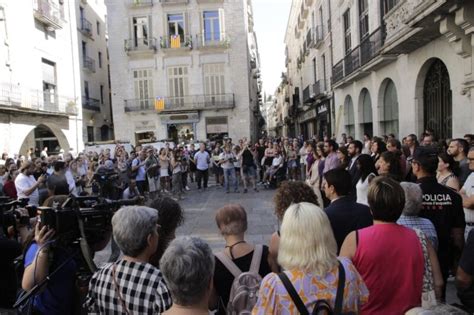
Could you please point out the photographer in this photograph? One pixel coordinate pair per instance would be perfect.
(26, 185)
(43, 255)
(226, 161)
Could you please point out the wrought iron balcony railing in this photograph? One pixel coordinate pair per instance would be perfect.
(48, 13)
(200, 102)
(369, 48)
(176, 42)
(319, 89)
(139, 105)
(88, 63)
(18, 99)
(91, 104)
(307, 95)
(140, 45)
(140, 3)
(165, 2)
(215, 40)
(86, 27)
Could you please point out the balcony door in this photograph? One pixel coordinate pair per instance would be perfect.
(176, 27)
(213, 27)
(214, 83)
(143, 85)
(49, 85)
(178, 86)
(141, 34)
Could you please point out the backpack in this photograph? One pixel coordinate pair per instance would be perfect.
(244, 290)
(321, 307)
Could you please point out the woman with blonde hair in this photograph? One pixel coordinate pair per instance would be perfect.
(307, 252)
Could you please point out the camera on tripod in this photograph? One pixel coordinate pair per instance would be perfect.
(10, 213)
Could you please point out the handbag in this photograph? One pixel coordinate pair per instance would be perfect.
(428, 297)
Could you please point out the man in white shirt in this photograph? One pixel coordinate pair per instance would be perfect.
(26, 185)
(277, 163)
(202, 160)
(467, 193)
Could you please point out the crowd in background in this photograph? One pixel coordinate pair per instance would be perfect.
(376, 226)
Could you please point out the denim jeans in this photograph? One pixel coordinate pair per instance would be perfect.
(229, 174)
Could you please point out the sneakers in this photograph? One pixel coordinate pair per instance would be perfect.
(255, 189)
(245, 190)
(187, 188)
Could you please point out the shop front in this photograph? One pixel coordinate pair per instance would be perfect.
(181, 128)
(306, 121)
(217, 128)
(323, 120)
(145, 131)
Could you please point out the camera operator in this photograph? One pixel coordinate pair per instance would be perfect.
(26, 185)
(10, 249)
(43, 255)
(110, 186)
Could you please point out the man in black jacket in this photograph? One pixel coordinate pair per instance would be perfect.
(343, 212)
(354, 150)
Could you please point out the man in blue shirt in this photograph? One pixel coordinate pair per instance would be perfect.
(202, 160)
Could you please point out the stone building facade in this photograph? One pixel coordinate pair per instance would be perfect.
(183, 70)
(95, 92)
(389, 66)
(39, 77)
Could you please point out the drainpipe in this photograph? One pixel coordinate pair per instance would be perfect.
(332, 64)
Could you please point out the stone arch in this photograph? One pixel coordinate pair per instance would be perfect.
(388, 107)
(44, 134)
(365, 112)
(443, 124)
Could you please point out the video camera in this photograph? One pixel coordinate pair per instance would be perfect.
(86, 217)
(10, 214)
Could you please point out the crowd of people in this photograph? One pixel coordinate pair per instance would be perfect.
(372, 227)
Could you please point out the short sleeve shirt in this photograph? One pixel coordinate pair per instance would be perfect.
(228, 157)
(274, 298)
(23, 183)
(141, 174)
(469, 189)
(202, 160)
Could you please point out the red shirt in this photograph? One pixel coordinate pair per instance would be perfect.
(9, 189)
(390, 260)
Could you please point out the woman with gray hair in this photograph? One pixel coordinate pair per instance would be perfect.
(410, 218)
(131, 285)
(188, 266)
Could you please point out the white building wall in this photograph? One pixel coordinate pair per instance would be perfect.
(27, 43)
(236, 60)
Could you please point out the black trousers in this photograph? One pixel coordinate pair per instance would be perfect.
(202, 176)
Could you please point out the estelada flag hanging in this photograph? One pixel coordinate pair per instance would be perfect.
(175, 41)
(159, 104)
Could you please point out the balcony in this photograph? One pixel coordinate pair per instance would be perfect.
(140, 46)
(139, 105)
(308, 96)
(88, 64)
(140, 3)
(304, 10)
(360, 60)
(209, 1)
(14, 98)
(300, 22)
(308, 3)
(318, 36)
(91, 104)
(176, 42)
(48, 13)
(200, 102)
(86, 27)
(173, 2)
(309, 39)
(212, 40)
(319, 89)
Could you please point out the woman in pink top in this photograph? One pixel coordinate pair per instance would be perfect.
(389, 257)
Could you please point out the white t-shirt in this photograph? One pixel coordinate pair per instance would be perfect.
(141, 174)
(277, 161)
(23, 183)
(469, 189)
(229, 157)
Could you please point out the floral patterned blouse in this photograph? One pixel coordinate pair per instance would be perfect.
(274, 299)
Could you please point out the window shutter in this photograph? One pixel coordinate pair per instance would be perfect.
(222, 24)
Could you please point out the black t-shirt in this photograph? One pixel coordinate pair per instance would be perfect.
(247, 158)
(260, 153)
(223, 278)
(58, 184)
(8, 283)
(443, 207)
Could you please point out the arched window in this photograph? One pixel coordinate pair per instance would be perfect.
(389, 114)
(349, 116)
(366, 112)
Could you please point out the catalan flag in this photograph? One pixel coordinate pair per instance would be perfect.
(175, 41)
(159, 104)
